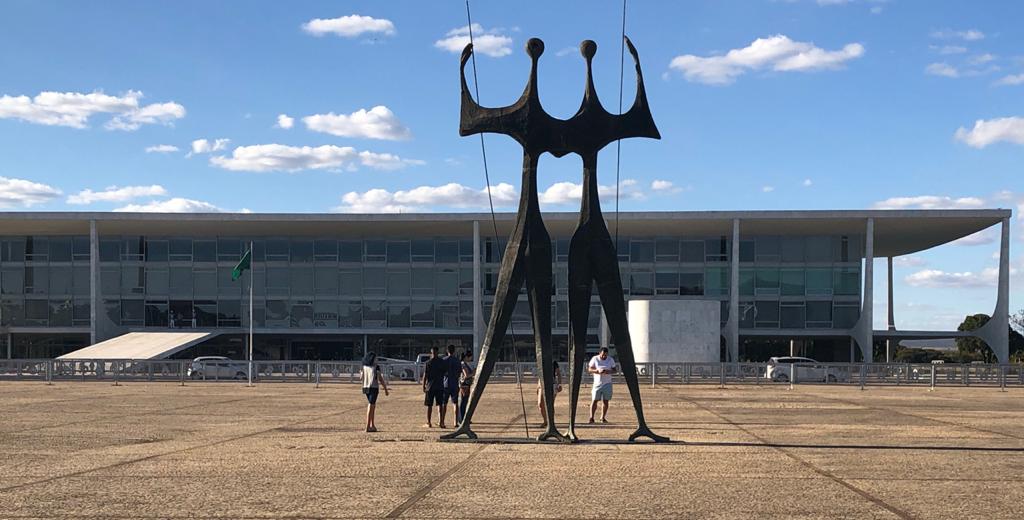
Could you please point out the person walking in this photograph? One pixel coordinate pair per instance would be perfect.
(540, 394)
(602, 366)
(451, 382)
(434, 373)
(465, 382)
(373, 381)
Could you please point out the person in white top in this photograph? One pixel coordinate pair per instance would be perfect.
(602, 366)
(373, 381)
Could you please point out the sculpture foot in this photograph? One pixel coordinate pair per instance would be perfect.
(551, 434)
(462, 430)
(644, 431)
(570, 435)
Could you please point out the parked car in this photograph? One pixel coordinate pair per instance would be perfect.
(807, 369)
(218, 367)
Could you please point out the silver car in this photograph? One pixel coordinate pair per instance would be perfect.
(807, 369)
(217, 367)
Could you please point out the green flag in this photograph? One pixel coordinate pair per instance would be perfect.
(243, 264)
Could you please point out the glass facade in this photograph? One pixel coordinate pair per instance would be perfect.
(406, 287)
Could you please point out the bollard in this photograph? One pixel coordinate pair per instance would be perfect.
(967, 379)
(863, 375)
(654, 374)
(181, 373)
(49, 372)
(721, 376)
(114, 366)
(792, 375)
(1002, 378)
(317, 375)
(932, 377)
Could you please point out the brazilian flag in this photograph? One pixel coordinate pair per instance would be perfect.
(243, 264)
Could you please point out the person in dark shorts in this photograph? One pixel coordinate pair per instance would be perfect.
(451, 382)
(373, 381)
(434, 373)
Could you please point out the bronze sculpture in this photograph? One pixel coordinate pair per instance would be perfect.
(592, 257)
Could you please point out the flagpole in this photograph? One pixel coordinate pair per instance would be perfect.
(250, 311)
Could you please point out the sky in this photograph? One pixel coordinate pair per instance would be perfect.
(353, 107)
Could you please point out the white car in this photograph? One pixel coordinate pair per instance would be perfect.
(807, 369)
(217, 367)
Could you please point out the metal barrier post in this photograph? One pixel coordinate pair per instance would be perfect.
(721, 376)
(686, 373)
(654, 373)
(181, 372)
(150, 365)
(49, 372)
(932, 377)
(863, 375)
(1002, 378)
(966, 376)
(317, 375)
(115, 365)
(792, 375)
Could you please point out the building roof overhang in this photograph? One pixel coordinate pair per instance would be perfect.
(897, 232)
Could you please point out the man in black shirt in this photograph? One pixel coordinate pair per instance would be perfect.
(434, 373)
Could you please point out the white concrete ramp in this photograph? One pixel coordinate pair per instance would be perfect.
(140, 345)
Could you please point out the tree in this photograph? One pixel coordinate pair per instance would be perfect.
(1017, 321)
(974, 349)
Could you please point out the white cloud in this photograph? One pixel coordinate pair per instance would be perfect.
(876, 9)
(807, 183)
(157, 113)
(981, 59)
(206, 146)
(930, 202)
(1011, 80)
(570, 192)
(984, 133)
(115, 194)
(944, 279)
(73, 109)
(162, 148)
(350, 26)
(777, 53)
(175, 205)
(665, 186)
(20, 192)
(283, 121)
(279, 157)
(942, 69)
(425, 198)
(981, 238)
(767, 189)
(948, 49)
(492, 42)
(909, 261)
(377, 123)
(967, 35)
(565, 51)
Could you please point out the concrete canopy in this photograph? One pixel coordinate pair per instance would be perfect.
(897, 232)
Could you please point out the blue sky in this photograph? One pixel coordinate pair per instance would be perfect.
(802, 104)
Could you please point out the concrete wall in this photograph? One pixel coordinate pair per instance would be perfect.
(675, 330)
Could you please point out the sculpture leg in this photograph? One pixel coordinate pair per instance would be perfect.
(510, 279)
(609, 287)
(580, 288)
(538, 286)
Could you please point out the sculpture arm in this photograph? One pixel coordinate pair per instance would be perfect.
(476, 119)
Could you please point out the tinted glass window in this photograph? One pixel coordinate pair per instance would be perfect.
(641, 251)
(157, 251)
(204, 251)
(398, 252)
(302, 251)
(60, 249)
(447, 251)
(351, 251)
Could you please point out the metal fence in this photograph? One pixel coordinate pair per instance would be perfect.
(329, 372)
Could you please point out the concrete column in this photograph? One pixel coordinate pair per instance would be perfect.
(996, 333)
(604, 334)
(892, 315)
(94, 280)
(863, 331)
(477, 292)
(732, 325)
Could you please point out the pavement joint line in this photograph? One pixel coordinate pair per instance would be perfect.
(436, 481)
(174, 452)
(924, 417)
(903, 515)
(153, 412)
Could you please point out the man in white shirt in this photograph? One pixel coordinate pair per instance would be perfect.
(602, 366)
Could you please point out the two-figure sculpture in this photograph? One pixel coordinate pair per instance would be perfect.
(527, 258)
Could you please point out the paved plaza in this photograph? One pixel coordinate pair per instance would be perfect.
(158, 450)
